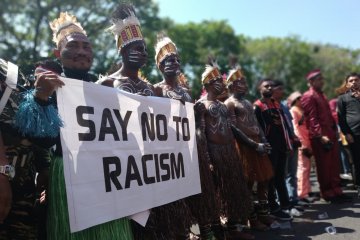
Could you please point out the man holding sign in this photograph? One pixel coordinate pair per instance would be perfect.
(74, 51)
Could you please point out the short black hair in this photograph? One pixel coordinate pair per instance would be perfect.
(277, 83)
(50, 64)
(353, 74)
(258, 84)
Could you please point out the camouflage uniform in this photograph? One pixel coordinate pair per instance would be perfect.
(28, 159)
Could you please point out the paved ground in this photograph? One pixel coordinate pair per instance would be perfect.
(344, 217)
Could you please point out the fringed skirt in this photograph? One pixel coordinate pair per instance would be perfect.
(230, 182)
(204, 206)
(58, 219)
(169, 221)
(257, 167)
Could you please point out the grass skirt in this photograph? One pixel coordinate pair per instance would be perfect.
(169, 221)
(257, 167)
(58, 219)
(230, 182)
(204, 206)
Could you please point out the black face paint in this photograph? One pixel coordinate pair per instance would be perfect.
(240, 87)
(67, 54)
(218, 85)
(136, 55)
(172, 66)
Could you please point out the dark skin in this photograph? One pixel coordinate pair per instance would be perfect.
(243, 117)
(170, 68)
(268, 92)
(134, 57)
(214, 118)
(266, 89)
(241, 111)
(217, 130)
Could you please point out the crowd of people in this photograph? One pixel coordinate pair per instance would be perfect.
(255, 158)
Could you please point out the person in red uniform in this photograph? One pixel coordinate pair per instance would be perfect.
(322, 133)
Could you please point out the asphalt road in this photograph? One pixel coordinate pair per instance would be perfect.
(344, 217)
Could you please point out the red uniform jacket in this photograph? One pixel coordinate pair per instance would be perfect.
(318, 114)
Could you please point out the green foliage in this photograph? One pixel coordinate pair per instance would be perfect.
(335, 63)
(196, 41)
(286, 59)
(26, 38)
(26, 35)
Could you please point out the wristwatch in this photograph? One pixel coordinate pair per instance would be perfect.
(8, 170)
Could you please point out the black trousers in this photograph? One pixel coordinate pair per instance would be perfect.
(277, 185)
(355, 152)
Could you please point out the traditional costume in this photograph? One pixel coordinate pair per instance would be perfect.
(257, 167)
(165, 48)
(65, 27)
(126, 29)
(229, 180)
(172, 220)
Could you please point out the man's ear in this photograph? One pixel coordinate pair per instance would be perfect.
(56, 52)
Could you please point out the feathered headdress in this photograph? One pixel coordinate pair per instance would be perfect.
(211, 71)
(125, 26)
(164, 47)
(235, 72)
(65, 25)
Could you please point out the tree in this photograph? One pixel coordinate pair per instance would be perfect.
(335, 63)
(26, 38)
(286, 59)
(26, 35)
(196, 41)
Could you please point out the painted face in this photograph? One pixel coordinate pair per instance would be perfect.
(76, 52)
(135, 54)
(171, 66)
(266, 88)
(353, 82)
(240, 86)
(217, 85)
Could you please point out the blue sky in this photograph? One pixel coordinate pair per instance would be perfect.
(325, 21)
